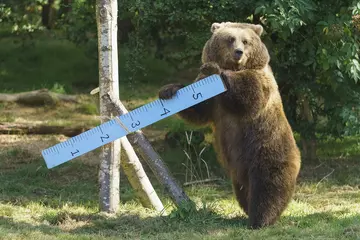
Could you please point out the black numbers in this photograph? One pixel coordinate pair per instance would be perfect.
(102, 138)
(73, 153)
(197, 95)
(135, 124)
(166, 111)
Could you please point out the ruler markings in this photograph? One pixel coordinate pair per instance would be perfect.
(133, 120)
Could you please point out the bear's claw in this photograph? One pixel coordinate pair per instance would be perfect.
(168, 91)
(210, 68)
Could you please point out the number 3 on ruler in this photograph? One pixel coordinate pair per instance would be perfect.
(192, 95)
(135, 124)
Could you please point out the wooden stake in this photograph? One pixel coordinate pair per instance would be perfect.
(152, 158)
(138, 179)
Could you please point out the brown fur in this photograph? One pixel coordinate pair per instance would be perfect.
(253, 138)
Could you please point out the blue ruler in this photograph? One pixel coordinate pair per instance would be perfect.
(134, 120)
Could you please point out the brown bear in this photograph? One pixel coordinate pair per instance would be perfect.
(252, 136)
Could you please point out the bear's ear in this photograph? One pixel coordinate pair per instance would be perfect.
(258, 29)
(215, 26)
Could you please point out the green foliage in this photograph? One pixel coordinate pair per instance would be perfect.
(23, 17)
(185, 211)
(352, 120)
(314, 49)
(314, 39)
(79, 26)
(179, 29)
(50, 63)
(5, 12)
(58, 88)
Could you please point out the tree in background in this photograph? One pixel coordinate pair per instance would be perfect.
(21, 17)
(314, 47)
(25, 17)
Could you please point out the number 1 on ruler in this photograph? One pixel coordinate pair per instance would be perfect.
(133, 120)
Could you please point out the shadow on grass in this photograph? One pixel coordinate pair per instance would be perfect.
(25, 180)
(204, 224)
(74, 183)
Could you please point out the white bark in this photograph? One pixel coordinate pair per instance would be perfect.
(152, 158)
(109, 174)
(134, 171)
(138, 179)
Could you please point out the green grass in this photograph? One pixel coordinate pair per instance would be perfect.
(47, 64)
(62, 203)
(61, 66)
(331, 148)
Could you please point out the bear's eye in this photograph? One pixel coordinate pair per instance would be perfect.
(231, 39)
(245, 42)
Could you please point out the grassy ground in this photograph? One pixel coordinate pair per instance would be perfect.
(62, 203)
(37, 203)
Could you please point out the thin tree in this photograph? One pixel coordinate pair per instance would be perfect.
(109, 174)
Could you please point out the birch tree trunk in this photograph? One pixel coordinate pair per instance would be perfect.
(152, 158)
(134, 170)
(137, 177)
(109, 174)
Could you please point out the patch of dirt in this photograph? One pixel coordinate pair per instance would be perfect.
(20, 148)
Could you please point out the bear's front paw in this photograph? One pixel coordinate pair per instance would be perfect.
(168, 91)
(210, 68)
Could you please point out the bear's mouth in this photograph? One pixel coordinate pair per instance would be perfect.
(242, 61)
(233, 65)
(237, 57)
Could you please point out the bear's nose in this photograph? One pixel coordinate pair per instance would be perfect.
(238, 53)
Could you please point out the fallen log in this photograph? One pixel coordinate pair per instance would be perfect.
(17, 129)
(37, 98)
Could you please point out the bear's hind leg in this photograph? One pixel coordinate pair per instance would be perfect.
(241, 193)
(268, 199)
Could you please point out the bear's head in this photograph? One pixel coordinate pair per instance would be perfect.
(236, 46)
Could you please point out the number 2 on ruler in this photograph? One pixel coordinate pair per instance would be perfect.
(155, 111)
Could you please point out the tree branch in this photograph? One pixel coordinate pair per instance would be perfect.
(152, 158)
